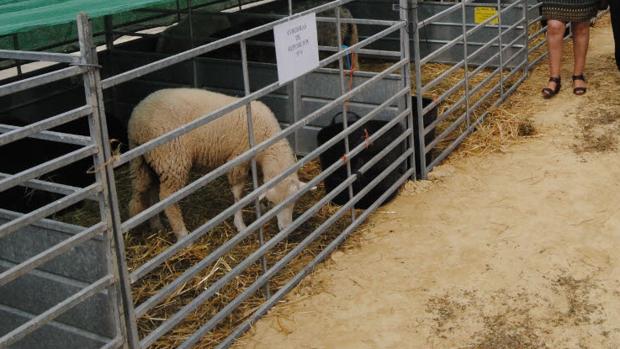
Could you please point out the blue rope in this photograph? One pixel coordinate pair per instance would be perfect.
(347, 62)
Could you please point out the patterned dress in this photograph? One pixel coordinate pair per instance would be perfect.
(570, 10)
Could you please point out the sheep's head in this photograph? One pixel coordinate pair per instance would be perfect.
(286, 188)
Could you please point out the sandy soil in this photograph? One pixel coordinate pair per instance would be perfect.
(511, 250)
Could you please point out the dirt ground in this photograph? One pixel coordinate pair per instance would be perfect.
(516, 250)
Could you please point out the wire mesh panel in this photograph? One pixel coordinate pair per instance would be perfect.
(59, 283)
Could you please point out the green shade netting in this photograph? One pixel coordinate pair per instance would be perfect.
(50, 24)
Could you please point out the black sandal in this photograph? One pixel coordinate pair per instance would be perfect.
(579, 91)
(547, 92)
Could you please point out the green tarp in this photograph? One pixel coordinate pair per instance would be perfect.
(19, 16)
(50, 24)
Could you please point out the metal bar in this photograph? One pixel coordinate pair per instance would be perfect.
(18, 63)
(419, 93)
(47, 255)
(44, 125)
(262, 310)
(364, 21)
(484, 97)
(537, 33)
(466, 58)
(263, 279)
(60, 308)
(200, 50)
(51, 136)
(191, 43)
(449, 10)
(447, 131)
(40, 213)
(366, 52)
(405, 16)
(444, 115)
(526, 31)
(247, 155)
(191, 272)
(41, 79)
(47, 186)
(501, 50)
(114, 344)
(108, 200)
(196, 234)
(345, 122)
(486, 80)
(177, 11)
(516, 54)
(175, 319)
(441, 77)
(46, 167)
(444, 96)
(109, 32)
(135, 34)
(39, 56)
(252, 143)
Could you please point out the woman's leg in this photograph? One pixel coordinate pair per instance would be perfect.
(555, 37)
(581, 38)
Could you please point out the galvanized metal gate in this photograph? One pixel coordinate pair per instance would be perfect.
(60, 283)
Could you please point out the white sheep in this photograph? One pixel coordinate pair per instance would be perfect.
(204, 148)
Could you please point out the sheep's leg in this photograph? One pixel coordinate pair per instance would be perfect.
(155, 222)
(142, 183)
(237, 178)
(144, 191)
(173, 212)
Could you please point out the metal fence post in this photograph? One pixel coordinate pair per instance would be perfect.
(466, 60)
(109, 203)
(252, 143)
(191, 43)
(405, 15)
(345, 121)
(526, 18)
(500, 43)
(418, 87)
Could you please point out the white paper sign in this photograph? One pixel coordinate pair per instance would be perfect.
(297, 48)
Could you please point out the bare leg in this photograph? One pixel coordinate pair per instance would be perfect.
(555, 37)
(581, 38)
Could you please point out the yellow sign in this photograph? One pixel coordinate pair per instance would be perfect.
(483, 13)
